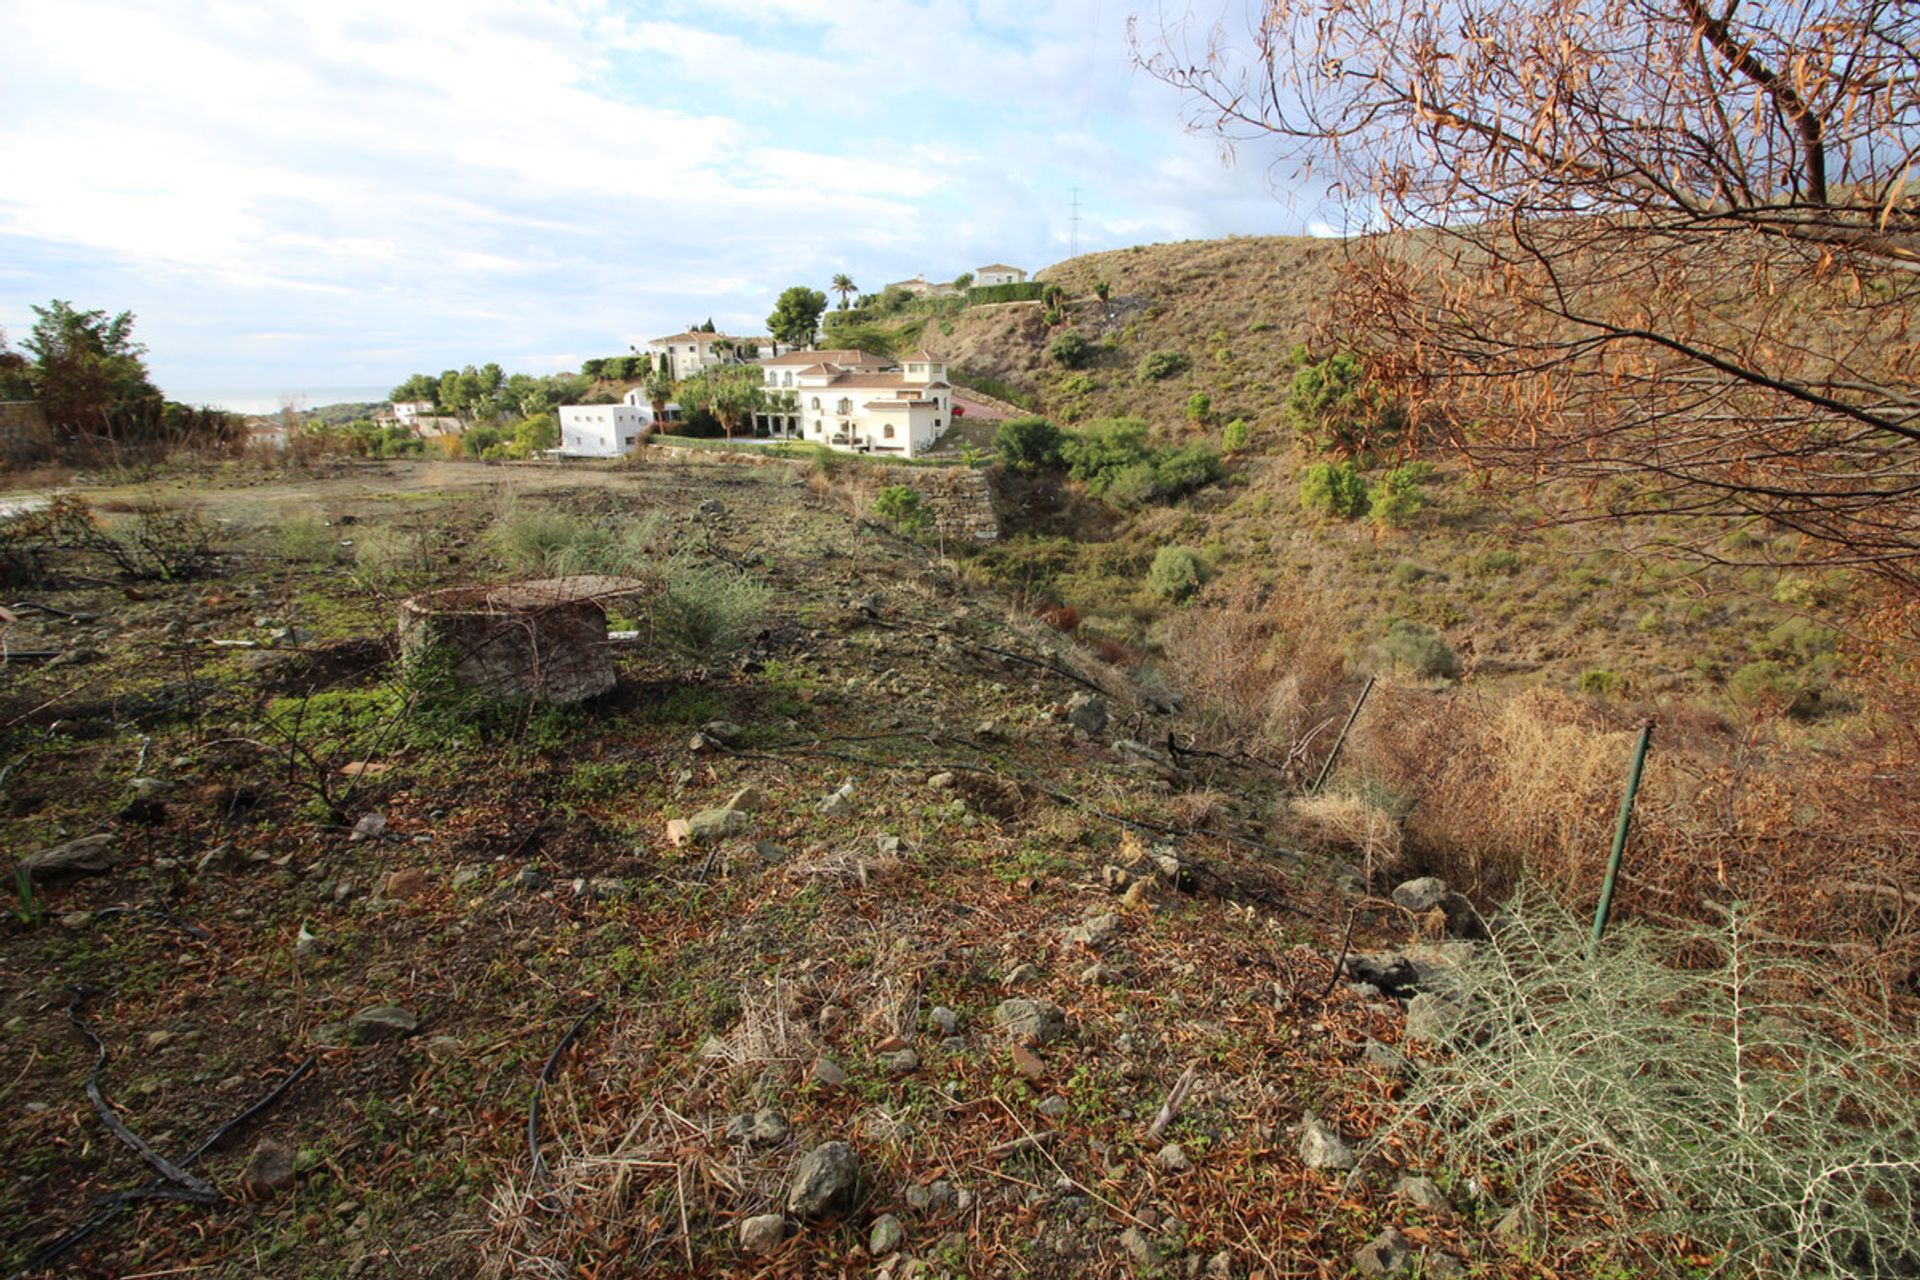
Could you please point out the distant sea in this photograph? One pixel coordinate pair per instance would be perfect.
(266, 400)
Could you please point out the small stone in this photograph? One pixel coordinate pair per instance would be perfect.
(1420, 895)
(1098, 972)
(370, 827)
(147, 788)
(679, 831)
(903, 1062)
(762, 1233)
(1322, 1148)
(406, 883)
(766, 1127)
(954, 1044)
(1386, 1255)
(1031, 1021)
(944, 1019)
(468, 876)
(445, 1048)
(941, 782)
(1424, 1193)
(1220, 1266)
(716, 824)
(1517, 1230)
(1052, 1107)
(1022, 975)
(530, 879)
(839, 804)
(888, 846)
(1138, 1246)
(269, 1170)
(1096, 932)
(1028, 1063)
(76, 919)
(1173, 1158)
(1140, 892)
(824, 1181)
(746, 800)
(885, 1236)
(381, 1022)
(770, 852)
(1088, 713)
(1432, 1018)
(828, 1074)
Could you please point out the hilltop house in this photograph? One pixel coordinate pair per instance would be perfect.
(857, 401)
(684, 354)
(998, 273)
(921, 287)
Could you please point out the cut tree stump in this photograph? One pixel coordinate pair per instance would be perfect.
(544, 640)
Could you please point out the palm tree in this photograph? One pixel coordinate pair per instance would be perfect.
(844, 286)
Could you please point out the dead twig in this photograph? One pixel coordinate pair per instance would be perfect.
(1177, 1098)
(533, 1105)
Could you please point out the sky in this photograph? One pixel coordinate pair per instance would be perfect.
(294, 195)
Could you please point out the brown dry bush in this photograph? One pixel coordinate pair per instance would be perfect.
(1529, 785)
(1351, 824)
(1257, 664)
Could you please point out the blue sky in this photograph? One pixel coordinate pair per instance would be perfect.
(293, 194)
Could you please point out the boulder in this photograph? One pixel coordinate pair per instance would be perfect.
(716, 824)
(1420, 895)
(1088, 713)
(1387, 1254)
(1322, 1148)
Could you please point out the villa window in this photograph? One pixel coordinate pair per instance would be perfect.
(816, 404)
(889, 430)
(846, 407)
(786, 379)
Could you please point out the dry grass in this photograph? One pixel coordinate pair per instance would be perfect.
(1257, 665)
(1354, 825)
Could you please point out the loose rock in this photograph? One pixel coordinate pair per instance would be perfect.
(1424, 1193)
(1031, 1021)
(1385, 1255)
(86, 856)
(762, 1234)
(1088, 713)
(1432, 1018)
(269, 1170)
(1423, 894)
(763, 1128)
(1322, 1148)
(885, 1236)
(1173, 1158)
(824, 1181)
(381, 1022)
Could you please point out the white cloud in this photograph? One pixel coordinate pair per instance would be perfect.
(438, 182)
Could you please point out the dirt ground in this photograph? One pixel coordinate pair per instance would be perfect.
(295, 838)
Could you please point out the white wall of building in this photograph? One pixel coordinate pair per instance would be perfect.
(602, 430)
(999, 274)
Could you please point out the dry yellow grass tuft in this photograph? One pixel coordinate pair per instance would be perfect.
(1353, 824)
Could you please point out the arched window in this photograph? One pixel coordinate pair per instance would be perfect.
(816, 404)
(846, 406)
(786, 379)
(889, 430)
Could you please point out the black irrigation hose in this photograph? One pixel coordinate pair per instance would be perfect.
(202, 1190)
(539, 1088)
(108, 1207)
(193, 931)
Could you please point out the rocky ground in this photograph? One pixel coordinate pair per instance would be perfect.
(892, 949)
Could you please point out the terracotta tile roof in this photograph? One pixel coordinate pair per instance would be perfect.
(688, 337)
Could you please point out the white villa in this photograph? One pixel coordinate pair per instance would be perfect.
(858, 401)
(606, 430)
(684, 354)
(998, 273)
(409, 412)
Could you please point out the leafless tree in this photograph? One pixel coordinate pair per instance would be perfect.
(1671, 246)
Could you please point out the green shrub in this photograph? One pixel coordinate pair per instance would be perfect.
(1104, 448)
(1800, 640)
(1417, 650)
(1497, 563)
(1028, 444)
(1070, 350)
(1597, 682)
(553, 543)
(1200, 408)
(1237, 436)
(1763, 685)
(1177, 572)
(1101, 289)
(304, 536)
(1161, 365)
(1180, 471)
(382, 555)
(1729, 1099)
(708, 613)
(1332, 490)
(900, 506)
(1022, 291)
(1400, 498)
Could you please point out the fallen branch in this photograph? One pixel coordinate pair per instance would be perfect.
(199, 1190)
(1170, 1109)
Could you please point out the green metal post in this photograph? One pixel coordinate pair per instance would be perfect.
(1619, 840)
